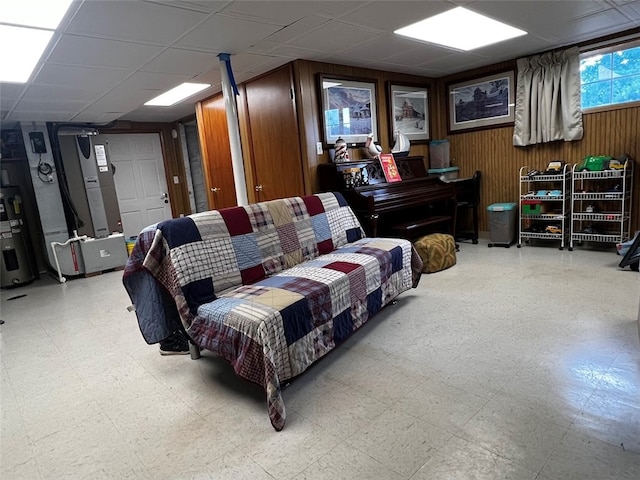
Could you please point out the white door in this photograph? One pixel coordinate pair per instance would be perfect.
(141, 185)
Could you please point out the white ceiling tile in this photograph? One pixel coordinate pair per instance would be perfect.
(293, 52)
(89, 78)
(36, 115)
(456, 62)
(212, 77)
(278, 12)
(10, 90)
(94, 52)
(335, 37)
(123, 99)
(396, 49)
(631, 9)
(88, 116)
(289, 33)
(598, 22)
(157, 114)
(60, 93)
(165, 48)
(5, 105)
(154, 81)
(208, 6)
(242, 61)
(27, 103)
(393, 15)
(226, 35)
(174, 60)
(509, 49)
(133, 21)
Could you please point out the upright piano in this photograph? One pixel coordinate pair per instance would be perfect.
(417, 204)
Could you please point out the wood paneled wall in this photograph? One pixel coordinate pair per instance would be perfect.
(491, 151)
(614, 132)
(309, 115)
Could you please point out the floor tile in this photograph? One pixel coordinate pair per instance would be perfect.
(441, 404)
(514, 432)
(608, 419)
(399, 441)
(347, 463)
(462, 460)
(586, 458)
(475, 374)
(91, 449)
(303, 444)
(338, 408)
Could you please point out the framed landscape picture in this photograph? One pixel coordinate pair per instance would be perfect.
(409, 111)
(348, 109)
(482, 103)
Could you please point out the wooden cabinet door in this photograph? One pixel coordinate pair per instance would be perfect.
(274, 138)
(216, 152)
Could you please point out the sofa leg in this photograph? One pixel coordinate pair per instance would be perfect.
(194, 350)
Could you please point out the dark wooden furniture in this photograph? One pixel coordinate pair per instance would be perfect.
(467, 200)
(418, 203)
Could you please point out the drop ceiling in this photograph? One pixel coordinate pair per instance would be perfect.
(111, 56)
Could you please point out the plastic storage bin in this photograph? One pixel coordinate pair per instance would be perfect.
(502, 224)
(445, 173)
(531, 207)
(439, 154)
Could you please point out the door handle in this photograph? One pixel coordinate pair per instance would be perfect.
(164, 195)
(215, 189)
(258, 188)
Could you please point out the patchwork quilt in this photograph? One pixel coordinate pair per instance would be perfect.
(271, 287)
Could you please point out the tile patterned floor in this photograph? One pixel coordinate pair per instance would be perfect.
(514, 364)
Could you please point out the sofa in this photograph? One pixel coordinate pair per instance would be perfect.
(271, 287)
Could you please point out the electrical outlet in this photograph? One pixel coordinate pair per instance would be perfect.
(319, 150)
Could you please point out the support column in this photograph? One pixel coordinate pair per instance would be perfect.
(230, 90)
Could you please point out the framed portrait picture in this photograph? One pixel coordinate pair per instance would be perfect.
(409, 111)
(348, 109)
(482, 102)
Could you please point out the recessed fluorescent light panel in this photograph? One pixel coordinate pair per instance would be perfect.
(177, 94)
(28, 26)
(461, 29)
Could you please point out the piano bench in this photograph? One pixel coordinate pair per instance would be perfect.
(413, 228)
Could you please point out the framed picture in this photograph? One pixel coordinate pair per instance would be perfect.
(481, 103)
(348, 108)
(409, 111)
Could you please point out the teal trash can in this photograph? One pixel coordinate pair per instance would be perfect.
(502, 224)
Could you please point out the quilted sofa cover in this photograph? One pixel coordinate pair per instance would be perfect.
(271, 287)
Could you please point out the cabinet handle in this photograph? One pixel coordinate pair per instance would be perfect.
(215, 189)
(258, 188)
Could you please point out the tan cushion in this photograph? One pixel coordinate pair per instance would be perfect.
(438, 251)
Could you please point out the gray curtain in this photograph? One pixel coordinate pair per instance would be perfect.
(548, 98)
